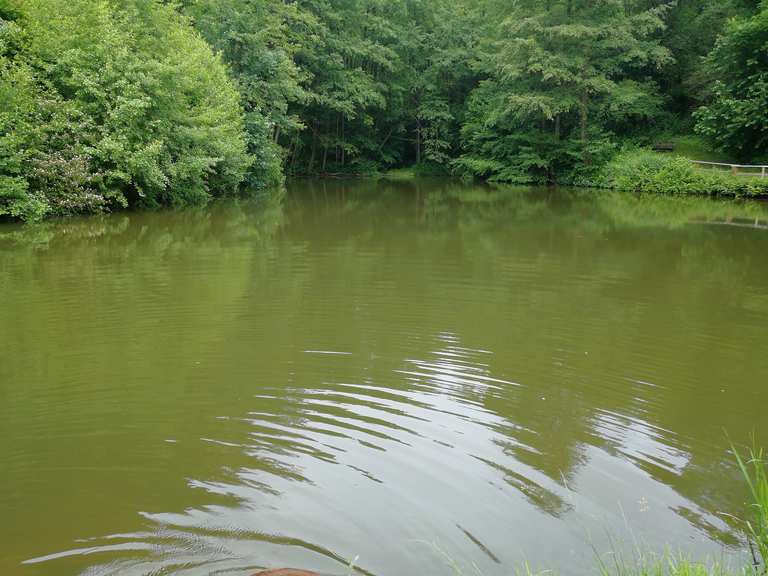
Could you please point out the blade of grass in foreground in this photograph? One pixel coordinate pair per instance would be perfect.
(754, 472)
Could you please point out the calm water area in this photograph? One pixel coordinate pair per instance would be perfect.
(384, 373)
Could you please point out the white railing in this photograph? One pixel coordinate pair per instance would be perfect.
(735, 168)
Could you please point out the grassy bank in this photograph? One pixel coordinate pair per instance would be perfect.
(754, 528)
(657, 173)
(414, 171)
(754, 469)
(640, 170)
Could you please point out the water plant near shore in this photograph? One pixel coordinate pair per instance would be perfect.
(655, 173)
(753, 468)
(754, 471)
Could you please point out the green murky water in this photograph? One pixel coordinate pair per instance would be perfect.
(375, 370)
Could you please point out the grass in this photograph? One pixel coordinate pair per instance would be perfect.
(657, 173)
(696, 148)
(666, 564)
(400, 174)
(754, 469)
(414, 171)
(673, 173)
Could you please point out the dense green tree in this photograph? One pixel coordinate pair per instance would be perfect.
(561, 78)
(254, 38)
(446, 75)
(106, 103)
(353, 56)
(736, 119)
(18, 97)
(693, 27)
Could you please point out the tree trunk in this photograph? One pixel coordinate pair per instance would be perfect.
(418, 141)
(314, 147)
(584, 113)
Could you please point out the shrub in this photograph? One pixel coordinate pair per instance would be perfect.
(105, 103)
(655, 173)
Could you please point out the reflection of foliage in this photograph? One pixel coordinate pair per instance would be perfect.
(570, 271)
(89, 243)
(598, 210)
(543, 276)
(542, 497)
(667, 212)
(257, 218)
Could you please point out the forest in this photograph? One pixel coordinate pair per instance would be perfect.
(107, 104)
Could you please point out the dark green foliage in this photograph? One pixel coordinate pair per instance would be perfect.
(357, 88)
(106, 103)
(651, 172)
(252, 37)
(110, 103)
(736, 119)
(563, 78)
(693, 27)
(352, 86)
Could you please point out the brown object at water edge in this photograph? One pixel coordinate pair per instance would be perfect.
(286, 572)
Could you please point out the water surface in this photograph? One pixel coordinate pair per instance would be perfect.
(386, 372)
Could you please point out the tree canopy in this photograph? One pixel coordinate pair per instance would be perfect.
(110, 103)
(736, 118)
(106, 103)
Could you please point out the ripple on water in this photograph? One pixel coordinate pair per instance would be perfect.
(189, 397)
(423, 460)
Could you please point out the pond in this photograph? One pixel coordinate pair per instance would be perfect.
(395, 375)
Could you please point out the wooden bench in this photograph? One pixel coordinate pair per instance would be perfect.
(664, 147)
